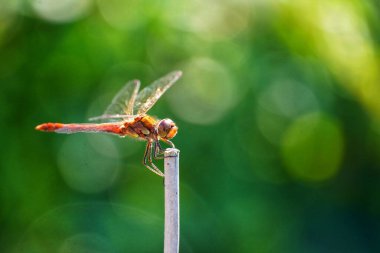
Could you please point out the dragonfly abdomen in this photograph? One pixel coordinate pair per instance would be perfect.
(76, 128)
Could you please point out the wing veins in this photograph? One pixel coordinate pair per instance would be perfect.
(123, 102)
(150, 94)
(129, 101)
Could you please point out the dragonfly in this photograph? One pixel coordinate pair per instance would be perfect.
(127, 116)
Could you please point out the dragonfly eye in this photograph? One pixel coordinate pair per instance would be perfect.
(167, 129)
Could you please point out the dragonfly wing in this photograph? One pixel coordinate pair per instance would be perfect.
(123, 102)
(112, 117)
(149, 95)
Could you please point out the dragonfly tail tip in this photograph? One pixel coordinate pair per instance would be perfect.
(48, 127)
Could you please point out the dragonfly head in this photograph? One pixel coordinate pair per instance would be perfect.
(167, 129)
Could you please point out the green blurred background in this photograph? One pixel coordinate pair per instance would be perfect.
(278, 110)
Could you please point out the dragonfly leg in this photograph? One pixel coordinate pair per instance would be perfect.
(147, 161)
(151, 162)
(158, 150)
(169, 142)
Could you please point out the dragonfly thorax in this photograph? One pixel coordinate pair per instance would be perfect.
(167, 129)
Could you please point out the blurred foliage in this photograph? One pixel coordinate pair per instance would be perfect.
(278, 110)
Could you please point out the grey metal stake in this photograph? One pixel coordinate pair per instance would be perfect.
(171, 237)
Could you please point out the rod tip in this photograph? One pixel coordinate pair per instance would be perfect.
(171, 152)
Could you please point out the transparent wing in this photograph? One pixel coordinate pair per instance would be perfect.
(149, 95)
(122, 104)
(116, 117)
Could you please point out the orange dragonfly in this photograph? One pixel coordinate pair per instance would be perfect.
(127, 117)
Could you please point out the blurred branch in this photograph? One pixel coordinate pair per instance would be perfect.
(171, 239)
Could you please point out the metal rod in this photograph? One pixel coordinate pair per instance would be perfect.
(171, 238)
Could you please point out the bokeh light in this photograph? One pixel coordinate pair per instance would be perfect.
(281, 102)
(210, 99)
(313, 147)
(210, 20)
(89, 165)
(126, 15)
(85, 243)
(61, 11)
(92, 228)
